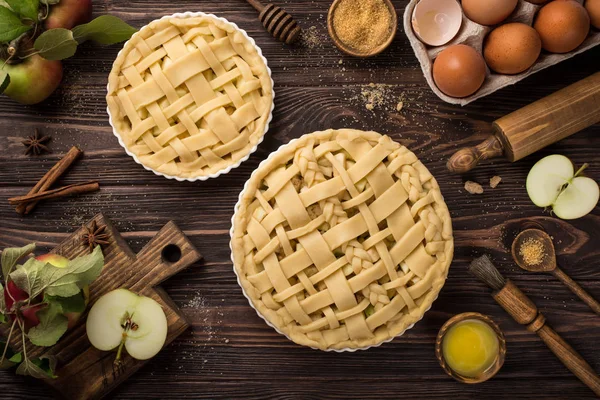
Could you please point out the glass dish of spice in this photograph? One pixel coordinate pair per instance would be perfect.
(362, 28)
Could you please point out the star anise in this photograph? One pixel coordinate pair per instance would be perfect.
(36, 144)
(95, 236)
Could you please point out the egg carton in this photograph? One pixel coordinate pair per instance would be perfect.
(474, 34)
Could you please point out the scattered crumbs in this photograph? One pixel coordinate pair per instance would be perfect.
(533, 251)
(226, 340)
(399, 106)
(341, 61)
(473, 187)
(495, 181)
(311, 38)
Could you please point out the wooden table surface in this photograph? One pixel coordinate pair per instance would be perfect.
(230, 352)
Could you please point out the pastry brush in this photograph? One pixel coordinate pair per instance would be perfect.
(525, 312)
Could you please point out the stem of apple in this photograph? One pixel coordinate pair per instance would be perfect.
(120, 350)
(580, 170)
(7, 341)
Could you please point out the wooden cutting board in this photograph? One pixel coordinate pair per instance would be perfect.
(84, 372)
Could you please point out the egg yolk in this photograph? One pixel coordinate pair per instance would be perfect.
(470, 348)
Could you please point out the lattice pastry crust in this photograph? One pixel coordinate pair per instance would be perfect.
(342, 239)
(190, 96)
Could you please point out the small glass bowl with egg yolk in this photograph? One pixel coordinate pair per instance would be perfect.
(470, 347)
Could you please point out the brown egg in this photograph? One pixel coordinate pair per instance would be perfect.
(593, 9)
(562, 25)
(512, 48)
(459, 71)
(488, 12)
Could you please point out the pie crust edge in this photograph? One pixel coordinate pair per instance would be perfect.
(239, 224)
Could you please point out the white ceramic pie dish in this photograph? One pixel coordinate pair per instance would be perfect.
(252, 150)
(231, 236)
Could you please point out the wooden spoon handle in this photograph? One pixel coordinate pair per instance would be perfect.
(578, 290)
(572, 360)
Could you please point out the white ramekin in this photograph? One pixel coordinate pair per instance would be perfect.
(226, 170)
(236, 209)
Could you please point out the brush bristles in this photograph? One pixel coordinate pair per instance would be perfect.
(483, 269)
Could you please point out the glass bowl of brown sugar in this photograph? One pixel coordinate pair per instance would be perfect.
(362, 28)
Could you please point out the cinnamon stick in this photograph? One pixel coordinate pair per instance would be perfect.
(50, 178)
(64, 191)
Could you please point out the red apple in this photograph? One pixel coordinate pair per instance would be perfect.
(12, 294)
(33, 80)
(69, 13)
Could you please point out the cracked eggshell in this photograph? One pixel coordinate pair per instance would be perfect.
(436, 22)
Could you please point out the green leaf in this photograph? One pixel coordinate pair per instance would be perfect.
(46, 364)
(37, 368)
(106, 29)
(11, 256)
(2, 318)
(56, 44)
(11, 26)
(81, 271)
(25, 8)
(36, 277)
(11, 358)
(73, 304)
(53, 324)
(4, 81)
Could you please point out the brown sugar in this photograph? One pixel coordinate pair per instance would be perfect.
(362, 25)
(532, 251)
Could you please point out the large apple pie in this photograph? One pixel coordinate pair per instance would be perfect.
(341, 239)
(190, 96)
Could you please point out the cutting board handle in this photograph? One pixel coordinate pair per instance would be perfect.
(537, 125)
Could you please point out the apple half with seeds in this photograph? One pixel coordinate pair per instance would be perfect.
(553, 182)
(122, 319)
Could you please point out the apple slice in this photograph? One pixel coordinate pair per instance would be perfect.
(552, 182)
(123, 318)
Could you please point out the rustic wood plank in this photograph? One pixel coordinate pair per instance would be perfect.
(230, 352)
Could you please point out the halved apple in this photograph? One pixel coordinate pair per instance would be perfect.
(124, 319)
(553, 182)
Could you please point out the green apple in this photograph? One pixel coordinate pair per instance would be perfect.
(69, 13)
(553, 182)
(33, 80)
(124, 319)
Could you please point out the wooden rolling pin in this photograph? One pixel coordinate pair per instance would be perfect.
(537, 125)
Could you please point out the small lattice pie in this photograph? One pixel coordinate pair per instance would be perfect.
(342, 240)
(190, 97)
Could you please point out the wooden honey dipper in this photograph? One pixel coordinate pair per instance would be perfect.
(525, 312)
(277, 21)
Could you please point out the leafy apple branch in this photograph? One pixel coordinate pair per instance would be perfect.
(20, 23)
(36, 297)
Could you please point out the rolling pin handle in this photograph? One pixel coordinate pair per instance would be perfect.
(466, 159)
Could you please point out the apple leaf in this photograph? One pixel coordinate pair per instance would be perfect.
(53, 324)
(81, 271)
(4, 81)
(36, 277)
(74, 304)
(11, 26)
(11, 255)
(56, 44)
(38, 368)
(106, 29)
(25, 8)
